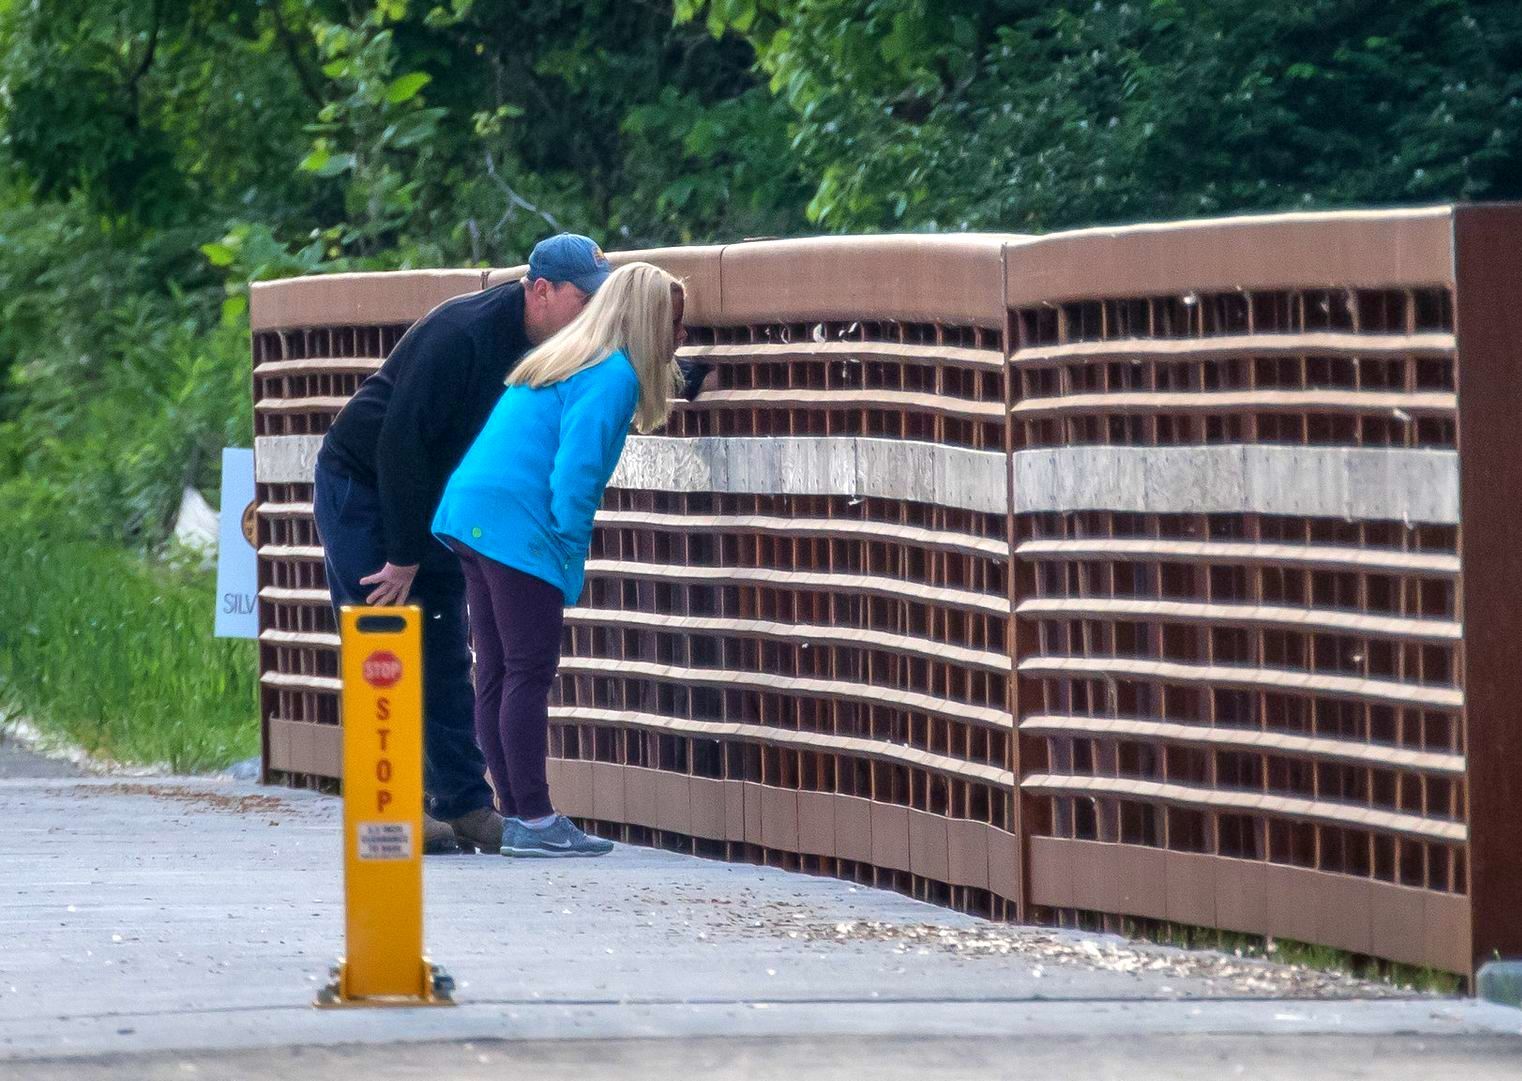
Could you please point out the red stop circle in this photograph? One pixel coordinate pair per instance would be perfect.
(382, 668)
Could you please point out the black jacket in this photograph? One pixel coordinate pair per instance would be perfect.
(409, 424)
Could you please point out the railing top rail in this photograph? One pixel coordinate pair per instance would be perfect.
(364, 299)
(964, 279)
(1361, 248)
(952, 278)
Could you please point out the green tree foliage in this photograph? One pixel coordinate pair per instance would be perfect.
(150, 109)
(156, 157)
(596, 116)
(1014, 114)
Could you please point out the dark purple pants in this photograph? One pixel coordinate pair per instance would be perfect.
(515, 622)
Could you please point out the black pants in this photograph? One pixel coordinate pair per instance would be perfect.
(515, 622)
(348, 515)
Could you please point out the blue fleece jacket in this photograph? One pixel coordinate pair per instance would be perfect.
(527, 489)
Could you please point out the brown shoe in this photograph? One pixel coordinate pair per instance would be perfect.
(438, 837)
(480, 830)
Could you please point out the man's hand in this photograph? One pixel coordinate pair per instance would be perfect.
(392, 584)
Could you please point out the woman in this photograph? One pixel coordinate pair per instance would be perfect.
(518, 511)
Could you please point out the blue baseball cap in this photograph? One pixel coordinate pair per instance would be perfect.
(570, 257)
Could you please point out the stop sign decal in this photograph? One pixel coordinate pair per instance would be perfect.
(382, 668)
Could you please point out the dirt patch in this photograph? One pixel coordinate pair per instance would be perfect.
(197, 799)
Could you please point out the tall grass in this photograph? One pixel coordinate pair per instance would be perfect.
(115, 653)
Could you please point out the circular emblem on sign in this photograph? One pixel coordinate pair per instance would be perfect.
(251, 523)
(382, 668)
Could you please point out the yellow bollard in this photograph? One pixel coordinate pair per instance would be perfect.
(382, 669)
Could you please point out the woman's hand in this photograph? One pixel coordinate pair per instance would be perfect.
(392, 584)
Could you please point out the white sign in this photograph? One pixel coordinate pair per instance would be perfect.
(385, 840)
(237, 563)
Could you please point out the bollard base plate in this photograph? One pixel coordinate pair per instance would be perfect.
(438, 990)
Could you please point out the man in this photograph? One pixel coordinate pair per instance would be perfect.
(380, 473)
(381, 470)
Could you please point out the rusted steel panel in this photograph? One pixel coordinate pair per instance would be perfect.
(608, 801)
(1005, 874)
(967, 853)
(750, 794)
(779, 818)
(929, 844)
(853, 829)
(816, 823)
(571, 787)
(1106, 576)
(890, 836)
(734, 811)
(706, 799)
(639, 796)
(673, 802)
(1489, 252)
(1362, 916)
(1236, 492)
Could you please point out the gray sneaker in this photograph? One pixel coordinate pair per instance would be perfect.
(559, 839)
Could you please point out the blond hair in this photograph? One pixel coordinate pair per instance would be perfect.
(632, 311)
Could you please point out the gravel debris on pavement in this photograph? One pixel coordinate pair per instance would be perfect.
(1224, 974)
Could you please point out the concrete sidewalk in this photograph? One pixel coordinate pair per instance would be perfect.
(17, 760)
(165, 927)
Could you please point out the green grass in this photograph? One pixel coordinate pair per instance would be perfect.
(115, 653)
(1288, 952)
